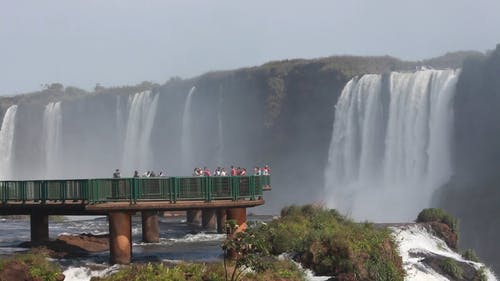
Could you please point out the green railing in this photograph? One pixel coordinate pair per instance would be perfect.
(172, 189)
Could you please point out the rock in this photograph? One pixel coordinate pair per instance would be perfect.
(87, 241)
(66, 246)
(444, 232)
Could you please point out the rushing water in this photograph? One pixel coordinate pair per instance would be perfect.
(415, 243)
(137, 153)
(391, 142)
(186, 138)
(52, 138)
(6, 142)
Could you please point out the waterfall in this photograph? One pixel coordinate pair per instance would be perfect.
(390, 146)
(52, 140)
(7, 141)
(186, 139)
(137, 152)
(220, 133)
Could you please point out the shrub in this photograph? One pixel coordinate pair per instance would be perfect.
(450, 267)
(470, 255)
(438, 215)
(37, 264)
(329, 244)
(480, 275)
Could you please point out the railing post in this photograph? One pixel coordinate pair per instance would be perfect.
(251, 187)
(43, 184)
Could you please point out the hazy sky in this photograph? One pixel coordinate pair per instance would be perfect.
(123, 42)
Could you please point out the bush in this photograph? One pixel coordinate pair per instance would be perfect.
(480, 275)
(329, 244)
(470, 255)
(450, 267)
(37, 265)
(438, 215)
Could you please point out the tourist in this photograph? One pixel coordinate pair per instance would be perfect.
(136, 174)
(243, 172)
(161, 174)
(116, 174)
(233, 171)
(266, 171)
(223, 173)
(257, 171)
(206, 172)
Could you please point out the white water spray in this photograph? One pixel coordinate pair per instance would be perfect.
(390, 146)
(137, 153)
(52, 139)
(186, 139)
(220, 133)
(6, 142)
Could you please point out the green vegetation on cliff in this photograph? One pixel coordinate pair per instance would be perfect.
(30, 267)
(329, 244)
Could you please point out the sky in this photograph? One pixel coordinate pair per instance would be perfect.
(123, 42)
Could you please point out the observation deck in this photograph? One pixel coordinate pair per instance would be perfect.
(209, 200)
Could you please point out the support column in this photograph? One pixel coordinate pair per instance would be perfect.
(193, 217)
(120, 237)
(221, 220)
(240, 216)
(208, 219)
(150, 228)
(39, 223)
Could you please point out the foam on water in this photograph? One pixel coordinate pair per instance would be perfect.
(416, 239)
(82, 273)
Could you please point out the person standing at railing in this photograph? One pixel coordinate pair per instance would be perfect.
(223, 173)
(206, 172)
(136, 174)
(116, 174)
(266, 171)
(243, 172)
(233, 171)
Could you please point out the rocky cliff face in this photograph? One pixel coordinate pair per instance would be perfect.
(474, 192)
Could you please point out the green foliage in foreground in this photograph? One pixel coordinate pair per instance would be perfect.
(330, 244)
(470, 255)
(481, 275)
(450, 267)
(37, 265)
(438, 215)
(278, 270)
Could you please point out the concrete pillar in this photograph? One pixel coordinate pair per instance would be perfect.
(208, 219)
(150, 228)
(193, 217)
(120, 237)
(221, 220)
(39, 223)
(240, 216)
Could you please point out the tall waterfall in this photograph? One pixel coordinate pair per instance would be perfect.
(137, 153)
(390, 146)
(220, 133)
(6, 142)
(52, 140)
(186, 139)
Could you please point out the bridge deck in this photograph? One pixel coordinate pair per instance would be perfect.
(99, 196)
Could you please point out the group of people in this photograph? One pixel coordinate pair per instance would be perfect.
(234, 171)
(205, 172)
(148, 174)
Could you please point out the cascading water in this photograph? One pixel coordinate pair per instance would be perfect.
(186, 140)
(52, 140)
(6, 142)
(390, 146)
(220, 133)
(137, 153)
